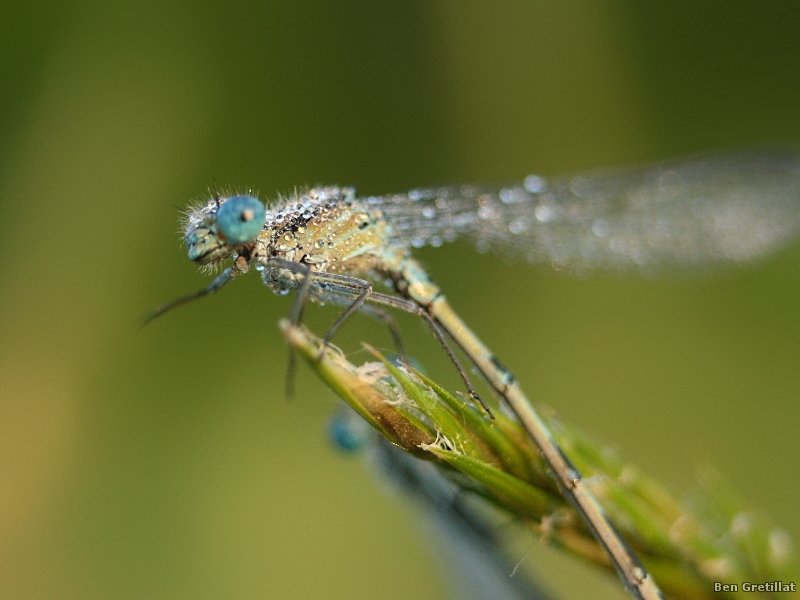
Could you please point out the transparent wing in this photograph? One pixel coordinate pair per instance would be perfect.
(730, 207)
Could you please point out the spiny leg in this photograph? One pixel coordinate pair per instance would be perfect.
(334, 286)
(343, 286)
(295, 315)
(348, 312)
(360, 304)
(214, 286)
(437, 331)
(394, 330)
(412, 307)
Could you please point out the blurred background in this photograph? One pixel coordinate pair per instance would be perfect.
(165, 462)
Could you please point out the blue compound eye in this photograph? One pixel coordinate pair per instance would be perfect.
(240, 220)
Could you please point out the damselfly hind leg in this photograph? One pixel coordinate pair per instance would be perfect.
(412, 307)
(348, 312)
(337, 286)
(394, 330)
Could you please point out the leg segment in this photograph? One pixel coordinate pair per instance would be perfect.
(335, 288)
(394, 330)
(412, 307)
(214, 286)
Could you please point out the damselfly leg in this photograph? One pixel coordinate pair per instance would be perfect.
(354, 293)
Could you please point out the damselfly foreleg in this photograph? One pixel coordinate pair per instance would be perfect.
(223, 278)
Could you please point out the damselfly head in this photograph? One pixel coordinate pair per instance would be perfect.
(216, 230)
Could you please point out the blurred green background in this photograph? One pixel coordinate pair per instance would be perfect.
(166, 462)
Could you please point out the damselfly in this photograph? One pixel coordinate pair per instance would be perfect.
(330, 245)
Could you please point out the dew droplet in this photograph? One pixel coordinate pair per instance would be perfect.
(514, 195)
(544, 213)
(517, 226)
(600, 228)
(579, 186)
(534, 184)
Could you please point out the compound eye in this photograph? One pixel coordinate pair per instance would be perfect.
(240, 219)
